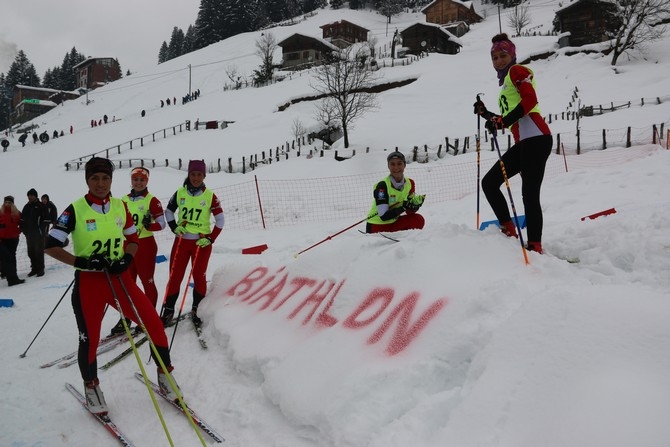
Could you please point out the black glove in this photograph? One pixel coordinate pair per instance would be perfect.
(146, 220)
(494, 123)
(120, 265)
(97, 262)
(479, 107)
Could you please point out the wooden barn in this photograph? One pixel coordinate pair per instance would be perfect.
(430, 38)
(587, 21)
(29, 102)
(343, 33)
(443, 12)
(302, 51)
(95, 72)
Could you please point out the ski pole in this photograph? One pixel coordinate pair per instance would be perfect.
(509, 192)
(183, 297)
(45, 322)
(333, 235)
(135, 351)
(163, 367)
(479, 117)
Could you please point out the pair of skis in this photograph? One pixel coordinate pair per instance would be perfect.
(106, 344)
(138, 343)
(115, 431)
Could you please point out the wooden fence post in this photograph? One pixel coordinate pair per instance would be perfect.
(628, 143)
(230, 165)
(579, 147)
(244, 166)
(604, 139)
(558, 144)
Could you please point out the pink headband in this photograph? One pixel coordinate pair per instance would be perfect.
(505, 46)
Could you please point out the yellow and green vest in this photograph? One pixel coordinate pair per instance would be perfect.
(395, 196)
(99, 233)
(195, 211)
(138, 209)
(509, 96)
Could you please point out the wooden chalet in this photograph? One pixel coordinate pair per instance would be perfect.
(429, 37)
(443, 12)
(587, 21)
(95, 72)
(302, 51)
(29, 102)
(344, 33)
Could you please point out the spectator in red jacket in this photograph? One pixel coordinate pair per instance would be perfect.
(10, 219)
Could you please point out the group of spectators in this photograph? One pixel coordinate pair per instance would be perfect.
(34, 222)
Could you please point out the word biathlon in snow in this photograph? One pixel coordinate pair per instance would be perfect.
(312, 299)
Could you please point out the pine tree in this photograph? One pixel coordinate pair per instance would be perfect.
(163, 53)
(68, 75)
(175, 47)
(22, 72)
(208, 29)
(5, 102)
(189, 40)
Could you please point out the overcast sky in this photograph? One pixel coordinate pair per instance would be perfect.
(132, 31)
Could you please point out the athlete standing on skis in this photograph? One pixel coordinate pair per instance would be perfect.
(188, 215)
(393, 196)
(532, 141)
(147, 213)
(105, 240)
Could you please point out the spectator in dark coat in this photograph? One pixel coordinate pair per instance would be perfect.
(35, 137)
(32, 216)
(22, 139)
(50, 215)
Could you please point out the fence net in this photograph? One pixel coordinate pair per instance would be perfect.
(304, 201)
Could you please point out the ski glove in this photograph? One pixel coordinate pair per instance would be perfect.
(96, 262)
(179, 230)
(146, 220)
(481, 110)
(204, 242)
(120, 265)
(495, 122)
(414, 202)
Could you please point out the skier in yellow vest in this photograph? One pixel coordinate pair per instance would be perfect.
(394, 196)
(147, 213)
(104, 242)
(193, 204)
(532, 141)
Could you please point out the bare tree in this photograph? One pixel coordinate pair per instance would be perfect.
(298, 130)
(265, 49)
(234, 75)
(345, 83)
(642, 21)
(519, 18)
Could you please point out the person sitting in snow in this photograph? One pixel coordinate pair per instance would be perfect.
(394, 196)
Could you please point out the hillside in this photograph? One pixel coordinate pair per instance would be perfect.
(444, 338)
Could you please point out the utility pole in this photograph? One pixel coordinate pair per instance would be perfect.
(499, 24)
(189, 79)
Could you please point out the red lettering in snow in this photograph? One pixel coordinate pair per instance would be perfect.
(406, 331)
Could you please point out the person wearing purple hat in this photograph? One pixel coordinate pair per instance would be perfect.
(188, 214)
(519, 111)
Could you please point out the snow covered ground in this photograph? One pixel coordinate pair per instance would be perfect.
(443, 338)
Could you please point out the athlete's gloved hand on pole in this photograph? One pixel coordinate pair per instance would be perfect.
(96, 262)
(120, 265)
